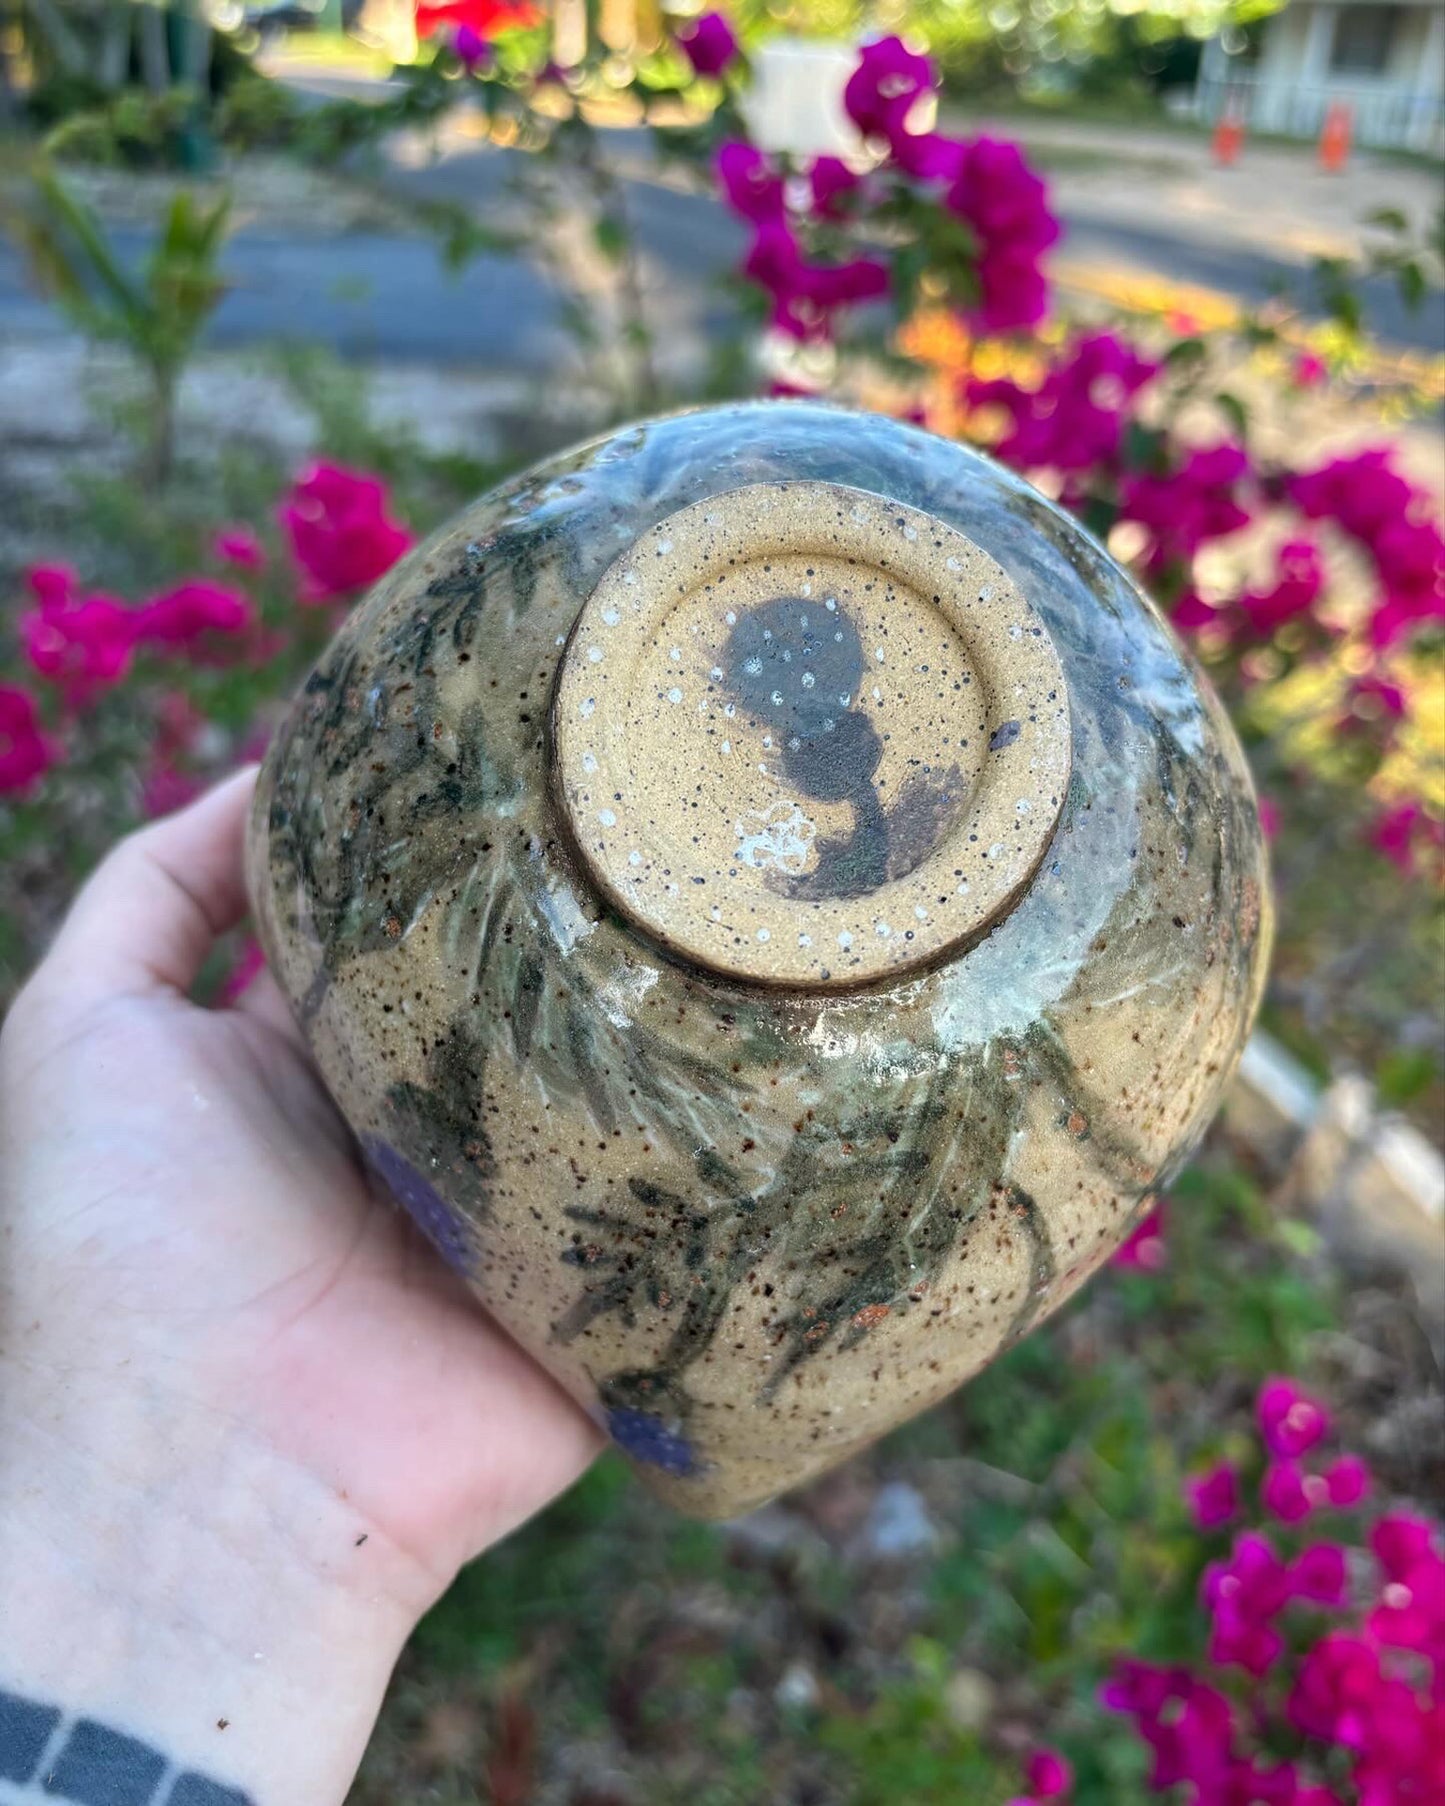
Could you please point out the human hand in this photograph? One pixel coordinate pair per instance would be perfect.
(256, 1425)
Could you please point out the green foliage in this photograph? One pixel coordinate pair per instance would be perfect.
(907, 1745)
(156, 314)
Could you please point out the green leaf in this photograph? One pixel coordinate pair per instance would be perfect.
(1185, 352)
(1234, 411)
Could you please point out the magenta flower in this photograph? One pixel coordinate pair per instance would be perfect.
(81, 644)
(1191, 613)
(1145, 1250)
(1346, 1481)
(1411, 1612)
(26, 753)
(882, 90)
(804, 293)
(1213, 1497)
(1361, 492)
(339, 531)
(470, 48)
(1410, 556)
(239, 546)
(183, 619)
(1075, 419)
(1193, 504)
(1334, 1691)
(710, 44)
(830, 179)
(1048, 1775)
(1285, 1492)
(1299, 582)
(1188, 1725)
(1001, 197)
(1403, 832)
(1245, 1594)
(928, 156)
(1310, 370)
(1290, 1421)
(1269, 817)
(1318, 1573)
(753, 187)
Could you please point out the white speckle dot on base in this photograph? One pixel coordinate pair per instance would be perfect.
(882, 930)
(586, 707)
(611, 616)
(765, 934)
(594, 655)
(845, 940)
(674, 694)
(664, 546)
(608, 817)
(805, 940)
(589, 763)
(634, 858)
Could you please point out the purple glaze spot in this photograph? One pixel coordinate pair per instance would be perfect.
(438, 1222)
(647, 1438)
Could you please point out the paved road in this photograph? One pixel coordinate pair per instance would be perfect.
(371, 294)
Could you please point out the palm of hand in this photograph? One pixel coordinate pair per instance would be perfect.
(194, 1219)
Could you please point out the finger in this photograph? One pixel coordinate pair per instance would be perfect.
(152, 911)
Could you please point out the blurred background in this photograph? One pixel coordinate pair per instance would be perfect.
(285, 282)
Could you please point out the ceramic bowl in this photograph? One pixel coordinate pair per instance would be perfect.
(773, 900)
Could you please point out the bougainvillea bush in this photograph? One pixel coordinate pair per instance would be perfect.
(1276, 1632)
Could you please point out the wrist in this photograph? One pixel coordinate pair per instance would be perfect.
(176, 1581)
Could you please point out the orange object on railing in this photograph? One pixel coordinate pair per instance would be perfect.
(1335, 136)
(1228, 138)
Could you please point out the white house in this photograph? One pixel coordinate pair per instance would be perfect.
(1384, 59)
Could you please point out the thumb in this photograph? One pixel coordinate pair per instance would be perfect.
(149, 915)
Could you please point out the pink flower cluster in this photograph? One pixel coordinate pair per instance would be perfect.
(983, 182)
(86, 644)
(805, 294)
(81, 645)
(339, 531)
(1197, 500)
(1075, 420)
(1383, 512)
(1362, 1696)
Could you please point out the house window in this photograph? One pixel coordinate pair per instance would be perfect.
(1364, 37)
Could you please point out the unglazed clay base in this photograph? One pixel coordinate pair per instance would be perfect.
(808, 736)
(773, 901)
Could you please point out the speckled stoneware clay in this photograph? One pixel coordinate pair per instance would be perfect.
(773, 900)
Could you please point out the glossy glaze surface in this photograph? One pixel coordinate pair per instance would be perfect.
(753, 1216)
